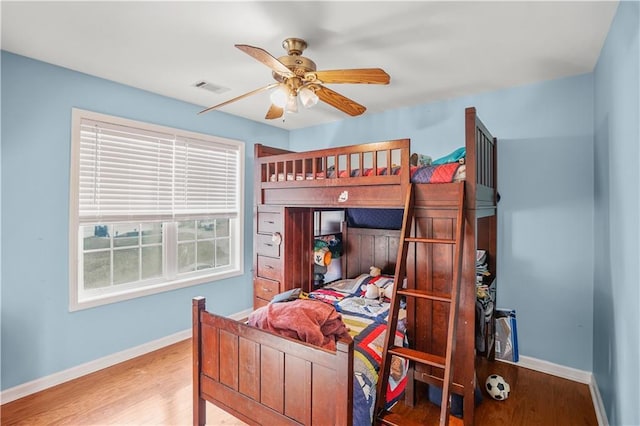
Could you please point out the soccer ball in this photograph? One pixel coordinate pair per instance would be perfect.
(497, 387)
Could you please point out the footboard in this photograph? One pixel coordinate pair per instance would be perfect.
(262, 378)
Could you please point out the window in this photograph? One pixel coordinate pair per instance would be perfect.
(152, 209)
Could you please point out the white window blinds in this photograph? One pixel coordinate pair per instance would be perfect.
(205, 178)
(133, 173)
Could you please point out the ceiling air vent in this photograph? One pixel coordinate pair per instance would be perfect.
(211, 87)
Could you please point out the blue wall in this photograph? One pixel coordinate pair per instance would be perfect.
(545, 178)
(39, 335)
(616, 297)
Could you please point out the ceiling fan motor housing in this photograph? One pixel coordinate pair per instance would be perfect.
(299, 65)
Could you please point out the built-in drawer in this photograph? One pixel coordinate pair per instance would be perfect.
(265, 289)
(269, 267)
(269, 222)
(259, 303)
(266, 245)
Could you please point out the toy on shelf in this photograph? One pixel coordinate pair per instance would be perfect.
(325, 250)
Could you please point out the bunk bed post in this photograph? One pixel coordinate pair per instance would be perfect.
(470, 131)
(466, 320)
(496, 196)
(493, 243)
(199, 407)
(344, 379)
(405, 170)
(258, 177)
(466, 358)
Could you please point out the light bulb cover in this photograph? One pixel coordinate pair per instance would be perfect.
(292, 103)
(280, 96)
(308, 97)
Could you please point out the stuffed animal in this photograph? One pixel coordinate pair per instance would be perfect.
(388, 291)
(322, 256)
(379, 288)
(371, 291)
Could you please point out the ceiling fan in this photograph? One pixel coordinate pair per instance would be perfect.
(297, 79)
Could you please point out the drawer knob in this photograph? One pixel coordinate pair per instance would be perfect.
(266, 290)
(276, 238)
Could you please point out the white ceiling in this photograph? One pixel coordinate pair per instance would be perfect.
(432, 50)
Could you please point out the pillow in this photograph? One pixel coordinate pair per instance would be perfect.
(350, 286)
(452, 157)
(287, 296)
(419, 160)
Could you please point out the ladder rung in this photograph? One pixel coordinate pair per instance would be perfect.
(422, 294)
(393, 419)
(429, 240)
(418, 356)
(437, 381)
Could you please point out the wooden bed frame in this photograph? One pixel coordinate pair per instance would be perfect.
(262, 378)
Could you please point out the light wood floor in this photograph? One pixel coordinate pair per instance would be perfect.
(536, 399)
(155, 389)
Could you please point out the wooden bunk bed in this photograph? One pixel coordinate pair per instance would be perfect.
(263, 378)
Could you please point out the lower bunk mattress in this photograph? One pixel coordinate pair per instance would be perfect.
(339, 310)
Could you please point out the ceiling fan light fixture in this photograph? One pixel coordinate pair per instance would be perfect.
(280, 96)
(308, 97)
(292, 104)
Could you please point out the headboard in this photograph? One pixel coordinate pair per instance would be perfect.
(366, 247)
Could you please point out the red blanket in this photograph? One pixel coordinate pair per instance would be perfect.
(308, 320)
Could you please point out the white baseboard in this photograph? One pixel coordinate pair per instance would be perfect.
(43, 383)
(601, 413)
(580, 376)
(558, 370)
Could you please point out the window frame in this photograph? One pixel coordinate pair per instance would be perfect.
(128, 291)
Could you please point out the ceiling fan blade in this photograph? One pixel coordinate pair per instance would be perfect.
(354, 76)
(266, 58)
(262, 89)
(274, 112)
(339, 101)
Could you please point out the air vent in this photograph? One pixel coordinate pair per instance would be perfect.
(211, 87)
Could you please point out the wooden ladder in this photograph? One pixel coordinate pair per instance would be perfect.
(445, 363)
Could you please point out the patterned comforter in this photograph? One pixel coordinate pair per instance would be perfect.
(367, 323)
